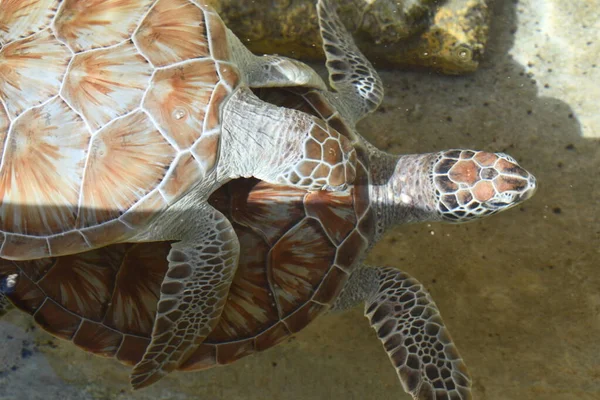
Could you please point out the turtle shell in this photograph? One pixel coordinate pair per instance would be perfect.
(109, 112)
(297, 251)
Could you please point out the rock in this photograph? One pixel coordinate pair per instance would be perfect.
(449, 37)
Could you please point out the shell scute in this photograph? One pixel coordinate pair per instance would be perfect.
(42, 170)
(298, 262)
(185, 174)
(178, 98)
(335, 209)
(106, 83)
(132, 349)
(302, 317)
(230, 352)
(173, 31)
(354, 246)
(89, 24)
(128, 159)
(15, 246)
(332, 285)
(142, 268)
(56, 320)
(203, 358)
(31, 71)
(67, 243)
(271, 337)
(98, 339)
(269, 209)
(82, 284)
(218, 37)
(22, 18)
(250, 307)
(140, 213)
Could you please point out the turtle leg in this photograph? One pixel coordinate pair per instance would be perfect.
(409, 325)
(193, 294)
(359, 87)
(272, 71)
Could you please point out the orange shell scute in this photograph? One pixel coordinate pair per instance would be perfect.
(89, 24)
(173, 31)
(206, 151)
(22, 18)
(22, 85)
(218, 37)
(128, 159)
(178, 98)
(181, 178)
(42, 170)
(106, 83)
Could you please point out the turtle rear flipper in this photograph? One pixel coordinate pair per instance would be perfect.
(409, 325)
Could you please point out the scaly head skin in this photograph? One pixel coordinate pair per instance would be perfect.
(453, 186)
(473, 184)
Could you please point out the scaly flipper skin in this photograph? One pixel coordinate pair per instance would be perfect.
(409, 325)
(273, 71)
(192, 295)
(350, 73)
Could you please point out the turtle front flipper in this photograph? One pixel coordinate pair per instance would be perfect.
(350, 73)
(409, 325)
(271, 70)
(192, 295)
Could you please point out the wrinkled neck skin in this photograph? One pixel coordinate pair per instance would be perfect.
(401, 189)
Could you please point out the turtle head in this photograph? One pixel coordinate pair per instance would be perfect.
(471, 184)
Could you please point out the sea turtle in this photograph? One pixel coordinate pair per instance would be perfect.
(301, 252)
(117, 121)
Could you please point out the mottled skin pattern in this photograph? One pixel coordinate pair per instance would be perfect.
(301, 253)
(118, 119)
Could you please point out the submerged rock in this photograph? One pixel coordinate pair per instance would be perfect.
(448, 36)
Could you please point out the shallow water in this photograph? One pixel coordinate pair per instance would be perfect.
(519, 292)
